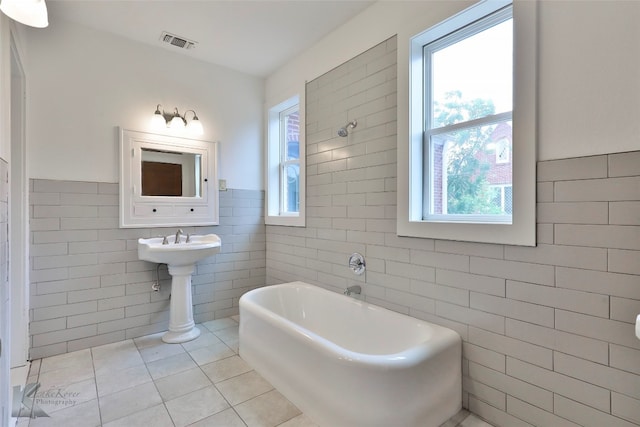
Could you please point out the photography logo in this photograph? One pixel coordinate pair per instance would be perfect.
(25, 402)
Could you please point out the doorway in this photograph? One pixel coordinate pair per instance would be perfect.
(18, 216)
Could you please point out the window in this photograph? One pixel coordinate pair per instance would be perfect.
(470, 155)
(289, 161)
(468, 105)
(285, 172)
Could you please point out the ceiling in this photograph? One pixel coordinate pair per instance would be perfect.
(255, 37)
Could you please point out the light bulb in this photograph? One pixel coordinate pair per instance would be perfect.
(176, 123)
(195, 127)
(157, 121)
(28, 12)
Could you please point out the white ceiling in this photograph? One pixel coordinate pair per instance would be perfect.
(255, 37)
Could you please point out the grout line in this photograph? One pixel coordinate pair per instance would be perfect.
(95, 383)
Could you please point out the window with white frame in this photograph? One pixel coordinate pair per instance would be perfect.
(285, 171)
(290, 161)
(468, 101)
(471, 152)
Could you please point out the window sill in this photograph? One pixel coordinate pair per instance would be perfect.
(286, 221)
(511, 234)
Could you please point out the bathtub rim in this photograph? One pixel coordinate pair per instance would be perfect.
(441, 339)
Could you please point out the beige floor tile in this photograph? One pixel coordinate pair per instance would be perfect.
(226, 418)
(182, 383)
(205, 339)
(460, 416)
(456, 419)
(170, 365)
(129, 398)
(225, 368)
(34, 368)
(243, 387)
(215, 325)
(160, 351)
(267, 410)
(211, 353)
(67, 360)
(116, 348)
(65, 376)
(59, 397)
(121, 379)
(109, 359)
(83, 415)
(156, 416)
(129, 401)
(149, 340)
(234, 345)
(228, 334)
(473, 421)
(300, 421)
(195, 406)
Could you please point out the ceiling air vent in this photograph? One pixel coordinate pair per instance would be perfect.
(177, 41)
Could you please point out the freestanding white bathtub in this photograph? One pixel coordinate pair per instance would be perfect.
(347, 363)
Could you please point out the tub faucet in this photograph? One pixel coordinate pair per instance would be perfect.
(178, 234)
(355, 289)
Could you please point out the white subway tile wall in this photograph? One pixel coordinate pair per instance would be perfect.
(88, 287)
(548, 331)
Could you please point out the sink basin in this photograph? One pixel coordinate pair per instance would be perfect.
(181, 259)
(199, 247)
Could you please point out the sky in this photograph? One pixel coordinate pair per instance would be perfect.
(480, 66)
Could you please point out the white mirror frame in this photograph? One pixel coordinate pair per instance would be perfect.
(137, 210)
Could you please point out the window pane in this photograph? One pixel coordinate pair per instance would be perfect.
(473, 77)
(508, 200)
(496, 197)
(465, 178)
(292, 135)
(291, 188)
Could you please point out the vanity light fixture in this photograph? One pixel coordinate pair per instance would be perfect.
(175, 121)
(29, 12)
(194, 126)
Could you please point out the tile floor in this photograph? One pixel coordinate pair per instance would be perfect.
(145, 382)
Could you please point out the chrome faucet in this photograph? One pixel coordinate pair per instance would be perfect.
(178, 234)
(355, 289)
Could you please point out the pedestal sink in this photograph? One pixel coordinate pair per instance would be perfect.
(181, 259)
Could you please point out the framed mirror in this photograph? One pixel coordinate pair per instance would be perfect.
(167, 180)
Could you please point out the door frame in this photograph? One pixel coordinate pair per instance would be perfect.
(18, 213)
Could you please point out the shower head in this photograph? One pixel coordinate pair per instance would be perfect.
(344, 131)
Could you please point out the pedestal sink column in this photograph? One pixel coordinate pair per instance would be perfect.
(181, 325)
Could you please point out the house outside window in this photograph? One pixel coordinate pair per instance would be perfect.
(470, 158)
(285, 165)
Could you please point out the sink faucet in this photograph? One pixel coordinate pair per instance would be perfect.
(355, 289)
(178, 234)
